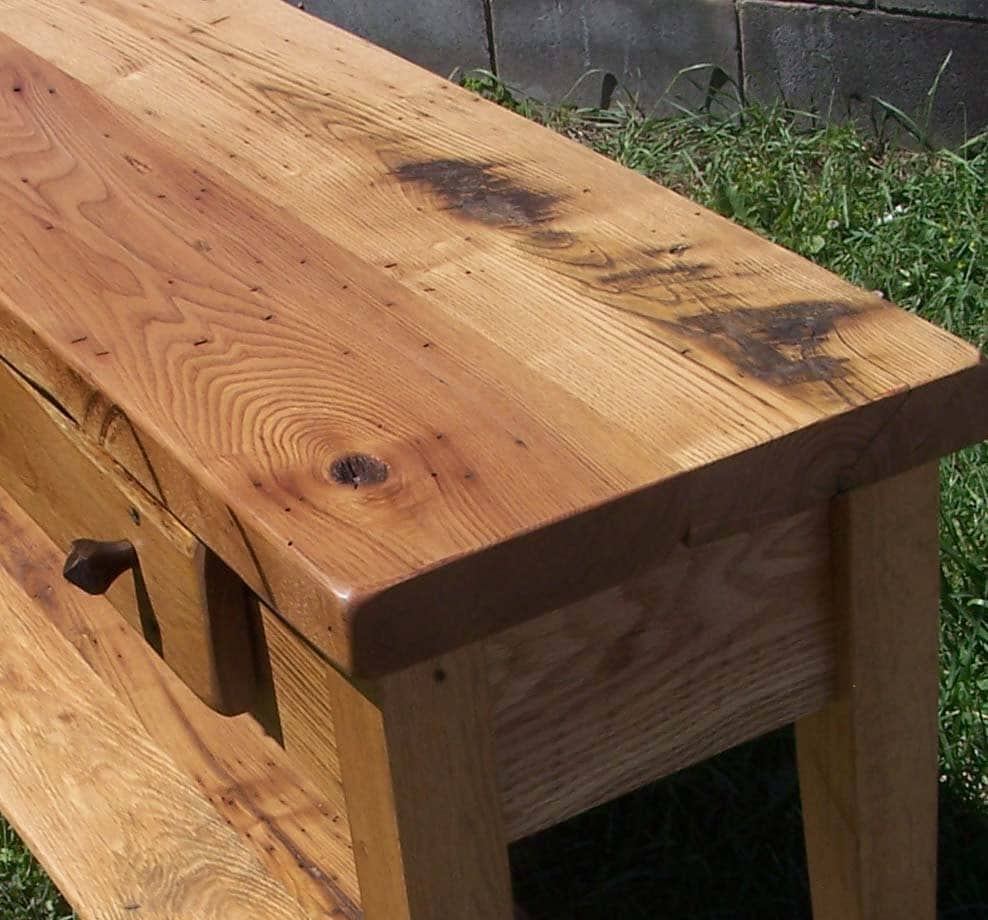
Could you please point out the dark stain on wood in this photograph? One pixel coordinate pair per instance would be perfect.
(780, 345)
(479, 192)
(634, 279)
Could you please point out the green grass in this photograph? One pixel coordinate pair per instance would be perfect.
(25, 891)
(723, 839)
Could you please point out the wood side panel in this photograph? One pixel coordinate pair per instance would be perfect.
(305, 712)
(868, 761)
(712, 647)
(119, 827)
(298, 831)
(196, 604)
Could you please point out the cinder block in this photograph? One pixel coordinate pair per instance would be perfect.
(439, 34)
(544, 47)
(862, 3)
(964, 9)
(836, 61)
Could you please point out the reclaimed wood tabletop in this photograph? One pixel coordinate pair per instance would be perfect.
(415, 368)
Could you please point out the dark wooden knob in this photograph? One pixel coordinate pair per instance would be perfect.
(94, 565)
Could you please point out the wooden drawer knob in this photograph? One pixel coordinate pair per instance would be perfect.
(94, 565)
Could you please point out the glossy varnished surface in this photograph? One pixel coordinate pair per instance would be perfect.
(416, 368)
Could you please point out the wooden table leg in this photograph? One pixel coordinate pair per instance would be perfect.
(415, 755)
(868, 762)
(424, 804)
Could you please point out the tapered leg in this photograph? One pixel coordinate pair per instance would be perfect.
(868, 762)
(425, 812)
(409, 758)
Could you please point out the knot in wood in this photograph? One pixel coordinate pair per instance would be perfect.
(358, 469)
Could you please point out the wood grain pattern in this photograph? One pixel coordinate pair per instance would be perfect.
(422, 794)
(120, 829)
(710, 648)
(303, 701)
(296, 830)
(266, 102)
(868, 762)
(252, 349)
(191, 607)
(548, 352)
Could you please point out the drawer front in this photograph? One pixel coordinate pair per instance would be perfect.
(188, 604)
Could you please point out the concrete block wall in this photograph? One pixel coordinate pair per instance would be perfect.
(837, 58)
(545, 46)
(442, 35)
(829, 56)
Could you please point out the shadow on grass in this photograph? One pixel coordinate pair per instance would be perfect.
(719, 841)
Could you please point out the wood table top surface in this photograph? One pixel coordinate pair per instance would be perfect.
(415, 367)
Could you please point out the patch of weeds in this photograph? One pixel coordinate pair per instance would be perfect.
(26, 893)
